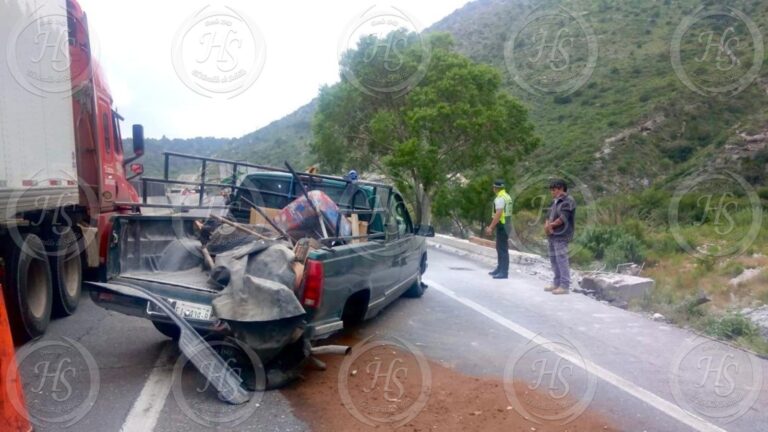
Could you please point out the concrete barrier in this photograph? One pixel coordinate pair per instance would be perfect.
(483, 249)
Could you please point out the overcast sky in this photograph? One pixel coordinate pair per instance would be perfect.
(295, 45)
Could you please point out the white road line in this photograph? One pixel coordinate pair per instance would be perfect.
(629, 387)
(146, 410)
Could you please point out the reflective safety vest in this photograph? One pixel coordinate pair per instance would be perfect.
(507, 206)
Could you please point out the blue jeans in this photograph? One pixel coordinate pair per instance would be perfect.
(558, 256)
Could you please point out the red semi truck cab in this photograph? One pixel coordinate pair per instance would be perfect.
(64, 165)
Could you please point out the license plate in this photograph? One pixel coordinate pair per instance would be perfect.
(184, 309)
(193, 310)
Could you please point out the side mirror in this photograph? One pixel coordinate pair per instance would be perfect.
(138, 140)
(137, 169)
(424, 230)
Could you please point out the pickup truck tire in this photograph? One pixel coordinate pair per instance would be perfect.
(355, 308)
(417, 289)
(29, 290)
(66, 273)
(168, 329)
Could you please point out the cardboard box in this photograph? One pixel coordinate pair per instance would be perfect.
(257, 219)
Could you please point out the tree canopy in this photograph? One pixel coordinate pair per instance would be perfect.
(439, 117)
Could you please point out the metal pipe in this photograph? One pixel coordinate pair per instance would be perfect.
(319, 364)
(274, 169)
(331, 349)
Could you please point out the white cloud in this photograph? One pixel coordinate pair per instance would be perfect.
(301, 37)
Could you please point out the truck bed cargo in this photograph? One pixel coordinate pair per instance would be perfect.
(277, 309)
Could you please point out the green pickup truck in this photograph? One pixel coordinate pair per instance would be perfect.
(344, 281)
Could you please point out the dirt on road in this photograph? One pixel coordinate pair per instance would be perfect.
(384, 387)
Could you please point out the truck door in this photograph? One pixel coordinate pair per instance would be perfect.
(411, 252)
(108, 170)
(398, 240)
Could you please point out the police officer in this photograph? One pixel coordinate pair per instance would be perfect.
(502, 216)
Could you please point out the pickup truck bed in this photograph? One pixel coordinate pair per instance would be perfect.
(349, 281)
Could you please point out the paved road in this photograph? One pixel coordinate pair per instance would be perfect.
(102, 371)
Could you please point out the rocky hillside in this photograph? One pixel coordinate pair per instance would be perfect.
(614, 103)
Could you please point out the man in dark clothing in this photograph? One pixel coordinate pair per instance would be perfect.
(559, 227)
(502, 217)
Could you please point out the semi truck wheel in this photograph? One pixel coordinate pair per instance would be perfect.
(29, 290)
(66, 272)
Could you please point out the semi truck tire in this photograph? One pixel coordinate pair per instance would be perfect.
(29, 290)
(66, 272)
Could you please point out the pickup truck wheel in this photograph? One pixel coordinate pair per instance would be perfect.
(170, 330)
(355, 308)
(29, 291)
(417, 289)
(66, 272)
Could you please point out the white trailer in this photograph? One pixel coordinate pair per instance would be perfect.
(62, 167)
(38, 167)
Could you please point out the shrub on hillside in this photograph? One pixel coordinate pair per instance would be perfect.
(731, 326)
(613, 244)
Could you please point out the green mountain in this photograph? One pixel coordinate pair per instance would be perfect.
(286, 139)
(634, 121)
(153, 149)
(631, 121)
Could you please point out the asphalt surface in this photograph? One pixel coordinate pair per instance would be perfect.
(102, 371)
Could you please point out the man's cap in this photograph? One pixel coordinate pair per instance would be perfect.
(498, 183)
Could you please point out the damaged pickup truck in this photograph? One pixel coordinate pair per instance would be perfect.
(288, 260)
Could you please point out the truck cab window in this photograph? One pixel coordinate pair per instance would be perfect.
(405, 225)
(116, 135)
(401, 218)
(107, 144)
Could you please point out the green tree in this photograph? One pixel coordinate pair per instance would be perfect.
(452, 120)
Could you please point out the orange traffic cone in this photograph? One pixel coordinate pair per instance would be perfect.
(12, 419)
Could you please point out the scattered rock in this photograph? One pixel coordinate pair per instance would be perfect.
(746, 276)
(759, 317)
(616, 287)
(620, 304)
